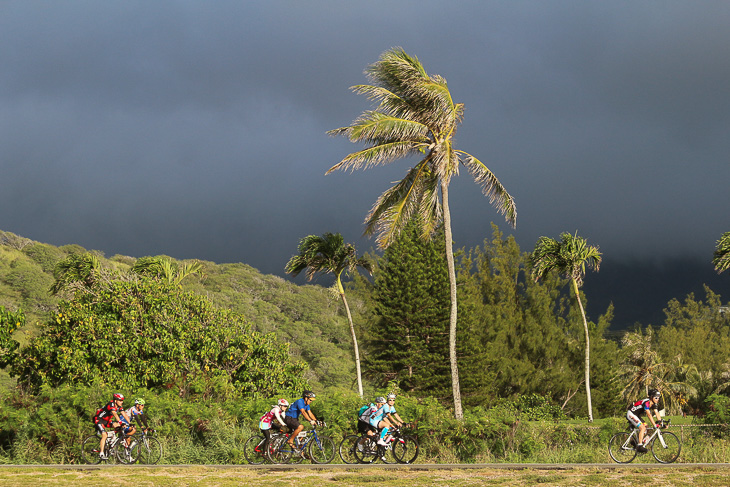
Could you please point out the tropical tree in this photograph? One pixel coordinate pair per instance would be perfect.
(642, 368)
(164, 268)
(416, 116)
(721, 256)
(76, 271)
(330, 254)
(568, 257)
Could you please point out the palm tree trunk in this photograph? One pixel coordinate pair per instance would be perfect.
(354, 341)
(588, 351)
(458, 413)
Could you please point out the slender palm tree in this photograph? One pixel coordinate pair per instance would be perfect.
(721, 256)
(330, 254)
(416, 117)
(164, 268)
(568, 257)
(76, 271)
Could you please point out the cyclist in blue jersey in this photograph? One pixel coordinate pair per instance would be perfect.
(379, 420)
(129, 416)
(391, 414)
(301, 407)
(639, 408)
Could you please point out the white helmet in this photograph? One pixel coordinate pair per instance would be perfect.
(391, 396)
(283, 402)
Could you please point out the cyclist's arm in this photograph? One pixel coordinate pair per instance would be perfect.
(308, 415)
(142, 420)
(650, 415)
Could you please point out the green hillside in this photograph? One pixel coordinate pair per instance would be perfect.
(310, 318)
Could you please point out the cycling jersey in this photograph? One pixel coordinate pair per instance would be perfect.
(266, 420)
(640, 407)
(295, 410)
(377, 416)
(105, 415)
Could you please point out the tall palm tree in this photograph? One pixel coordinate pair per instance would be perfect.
(416, 116)
(568, 257)
(164, 268)
(330, 254)
(721, 256)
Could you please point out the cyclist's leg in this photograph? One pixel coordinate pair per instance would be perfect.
(294, 427)
(101, 431)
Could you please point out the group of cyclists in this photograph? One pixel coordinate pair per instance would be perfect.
(375, 418)
(113, 416)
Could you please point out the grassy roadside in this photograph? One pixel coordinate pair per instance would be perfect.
(207, 476)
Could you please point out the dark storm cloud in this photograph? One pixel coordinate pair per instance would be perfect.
(197, 129)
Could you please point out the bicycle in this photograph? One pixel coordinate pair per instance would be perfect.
(256, 454)
(665, 446)
(115, 448)
(146, 448)
(399, 448)
(316, 447)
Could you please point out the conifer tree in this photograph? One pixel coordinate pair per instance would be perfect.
(409, 341)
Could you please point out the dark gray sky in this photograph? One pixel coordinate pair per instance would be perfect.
(197, 129)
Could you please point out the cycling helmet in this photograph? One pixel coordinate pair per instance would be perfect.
(654, 393)
(380, 400)
(283, 402)
(118, 397)
(139, 401)
(391, 396)
(309, 394)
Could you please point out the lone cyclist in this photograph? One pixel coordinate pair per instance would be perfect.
(644, 406)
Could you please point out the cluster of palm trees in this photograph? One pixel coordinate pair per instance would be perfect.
(416, 116)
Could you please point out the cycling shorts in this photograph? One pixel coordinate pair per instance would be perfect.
(363, 427)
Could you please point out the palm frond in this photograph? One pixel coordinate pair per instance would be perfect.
(392, 210)
(378, 128)
(721, 256)
(377, 155)
(491, 187)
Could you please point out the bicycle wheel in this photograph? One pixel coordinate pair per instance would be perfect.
(322, 449)
(147, 451)
(279, 450)
(620, 449)
(126, 455)
(369, 451)
(405, 449)
(347, 449)
(668, 453)
(253, 450)
(90, 450)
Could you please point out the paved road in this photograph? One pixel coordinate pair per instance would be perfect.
(422, 466)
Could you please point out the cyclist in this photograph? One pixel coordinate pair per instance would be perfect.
(391, 414)
(640, 407)
(301, 407)
(363, 420)
(274, 419)
(379, 420)
(129, 416)
(108, 417)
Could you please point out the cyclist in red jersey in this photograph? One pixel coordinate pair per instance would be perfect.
(108, 417)
(644, 406)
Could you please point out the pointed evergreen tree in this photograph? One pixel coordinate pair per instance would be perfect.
(409, 341)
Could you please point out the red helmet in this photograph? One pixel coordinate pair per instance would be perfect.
(118, 397)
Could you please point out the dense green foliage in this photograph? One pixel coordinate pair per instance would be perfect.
(9, 323)
(48, 428)
(150, 334)
(517, 337)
